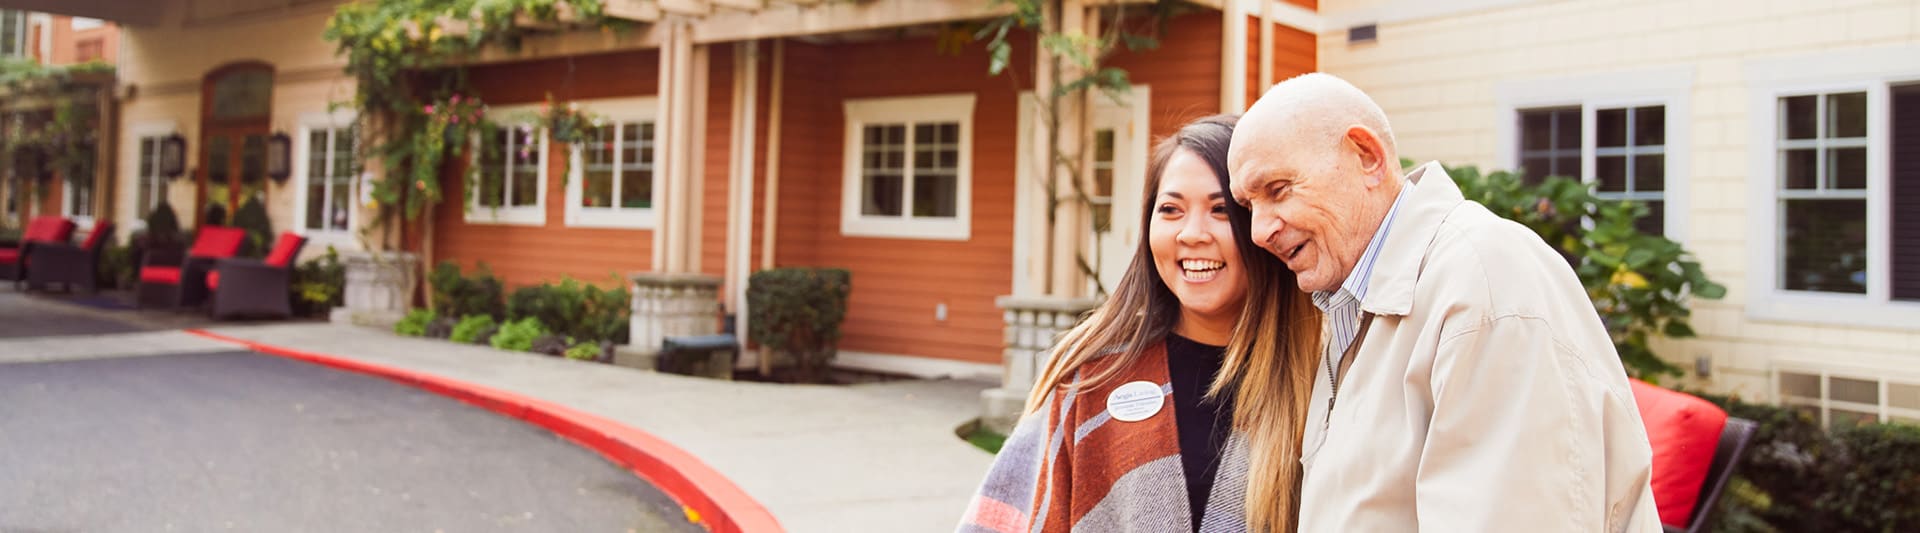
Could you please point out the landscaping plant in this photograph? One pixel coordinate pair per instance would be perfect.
(518, 335)
(578, 310)
(585, 351)
(455, 294)
(415, 323)
(797, 312)
(319, 284)
(471, 327)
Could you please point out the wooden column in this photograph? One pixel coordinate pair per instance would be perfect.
(673, 237)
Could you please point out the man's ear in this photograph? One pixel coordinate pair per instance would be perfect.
(1371, 155)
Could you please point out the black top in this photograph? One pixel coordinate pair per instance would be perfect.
(1203, 424)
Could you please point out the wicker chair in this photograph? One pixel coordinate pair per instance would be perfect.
(71, 265)
(170, 277)
(42, 230)
(255, 287)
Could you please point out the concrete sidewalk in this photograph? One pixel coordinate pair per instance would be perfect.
(876, 457)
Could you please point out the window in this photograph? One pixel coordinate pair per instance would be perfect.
(76, 198)
(331, 166)
(84, 23)
(1835, 148)
(152, 187)
(511, 176)
(13, 33)
(613, 177)
(1840, 400)
(1102, 197)
(1549, 143)
(1628, 153)
(908, 168)
(89, 50)
(1821, 173)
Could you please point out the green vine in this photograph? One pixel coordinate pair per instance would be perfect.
(411, 89)
(62, 140)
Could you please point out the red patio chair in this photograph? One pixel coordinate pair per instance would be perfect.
(255, 287)
(168, 279)
(71, 265)
(41, 230)
(1696, 448)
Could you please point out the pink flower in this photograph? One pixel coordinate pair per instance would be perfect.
(429, 109)
(455, 99)
(454, 118)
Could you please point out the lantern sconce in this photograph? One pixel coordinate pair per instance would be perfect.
(279, 157)
(173, 156)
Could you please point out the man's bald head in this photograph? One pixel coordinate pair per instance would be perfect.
(1314, 160)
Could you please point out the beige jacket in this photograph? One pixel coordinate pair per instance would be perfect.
(1482, 394)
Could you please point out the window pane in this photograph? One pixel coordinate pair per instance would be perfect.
(1826, 245)
(146, 157)
(1610, 126)
(493, 169)
(1800, 168)
(883, 195)
(253, 158)
(925, 158)
(340, 206)
(636, 188)
(1103, 146)
(1535, 169)
(596, 184)
(343, 151)
(1536, 130)
(1655, 223)
(1566, 166)
(1847, 167)
(1650, 126)
(526, 187)
(1800, 385)
(216, 160)
(1799, 116)
(1650, 173)
(1903, 396)
(934, 195)
(1847, 115)
(923, 135)
(1853, 390)
(1610, 173)
(1566, 129)
(316, 204)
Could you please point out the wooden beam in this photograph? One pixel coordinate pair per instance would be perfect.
(685, 7)
(639, 10)
(837, 17)
(747, 5)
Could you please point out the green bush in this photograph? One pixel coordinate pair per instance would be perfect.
(471, 327)
(1639, 283)
(1875, 479)
(798, 311)
(518, 335)
(456, 294)
(319, 284)
(116, 266)
(163, 226)
(1780, 478)
(584, 312)
(415, 324)
(585, 351)
(252, 217)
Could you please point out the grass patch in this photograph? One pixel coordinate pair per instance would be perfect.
(986, 439)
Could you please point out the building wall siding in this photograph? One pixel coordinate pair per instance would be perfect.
(1437, 77)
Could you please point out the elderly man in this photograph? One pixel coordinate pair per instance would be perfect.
(1467, 384)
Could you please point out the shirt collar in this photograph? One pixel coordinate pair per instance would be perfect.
(1354, 289)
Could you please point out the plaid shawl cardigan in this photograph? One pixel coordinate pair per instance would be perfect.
(1071, 467)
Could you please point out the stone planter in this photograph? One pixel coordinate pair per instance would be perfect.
(379, 287)
(1033, 323)
(671, 305)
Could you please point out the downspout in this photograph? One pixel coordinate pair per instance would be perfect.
(770, 226)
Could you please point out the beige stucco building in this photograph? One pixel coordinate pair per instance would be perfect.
(1780, 135)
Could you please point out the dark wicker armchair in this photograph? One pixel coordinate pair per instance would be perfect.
(170, 277)
(42, 230)
(71, 265)
(256, 287)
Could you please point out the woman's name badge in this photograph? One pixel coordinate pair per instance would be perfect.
(1135, 401)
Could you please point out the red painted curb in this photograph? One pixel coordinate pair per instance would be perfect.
(722, 506)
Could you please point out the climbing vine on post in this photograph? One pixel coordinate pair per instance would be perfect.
(1082, 55)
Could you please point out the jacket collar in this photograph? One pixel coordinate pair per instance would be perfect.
(1434, 196)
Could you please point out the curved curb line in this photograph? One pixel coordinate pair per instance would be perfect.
(722, 506)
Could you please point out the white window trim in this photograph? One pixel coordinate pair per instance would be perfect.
(638, 109)
(156, 128)
(526, 215)
(913, 109)
(1670, 87)
(302, 158)
(1870, 70)
(1878, 374)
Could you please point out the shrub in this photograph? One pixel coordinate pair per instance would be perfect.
(116, 266)
(578, 310)
(1875, 479)
(798, 311)
(585, 351)
(518, 335)
(319, 284)
(1639, 283)
(252, 217)
(415, 323)
(459, 295)
(471, 327)
(163, 226)
(1781, 476)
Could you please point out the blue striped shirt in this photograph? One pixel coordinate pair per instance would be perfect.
(1343, 306)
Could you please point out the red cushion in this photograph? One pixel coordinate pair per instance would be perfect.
(9, 255)
(48, 229)
(100, 231)
(283, 249)
(160, 274)
(213, 280)
(217, 241)
(1685, 431)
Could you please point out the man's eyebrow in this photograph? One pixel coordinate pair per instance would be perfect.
(1175, 195)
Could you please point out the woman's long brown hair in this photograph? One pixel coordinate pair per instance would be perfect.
(1269, 361)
